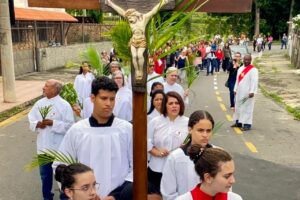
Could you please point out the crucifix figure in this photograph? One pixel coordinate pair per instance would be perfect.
(138, 22)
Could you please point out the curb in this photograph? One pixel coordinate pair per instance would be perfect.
(21, 108)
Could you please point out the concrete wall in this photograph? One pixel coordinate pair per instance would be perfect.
(23, 60)
(54, 57)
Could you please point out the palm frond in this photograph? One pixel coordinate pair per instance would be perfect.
(91, 55)
(44, 111)
(48, 156)
(243, 100)
(217, 127)
(120, 36)
(69, 94)
(191, 75)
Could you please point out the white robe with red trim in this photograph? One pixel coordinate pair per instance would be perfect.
(249, 84)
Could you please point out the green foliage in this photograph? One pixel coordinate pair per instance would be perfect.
(48, 156)
(91, 55)
(191, 75)
(120, 36)
(69, 94)
(44, 111)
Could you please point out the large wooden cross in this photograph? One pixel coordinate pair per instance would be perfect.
(138, 13)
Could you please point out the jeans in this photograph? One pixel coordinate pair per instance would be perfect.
(46, 174)
(283, 44)
(231, 94)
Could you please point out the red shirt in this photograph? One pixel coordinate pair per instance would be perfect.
(158, 66)
(219, 54)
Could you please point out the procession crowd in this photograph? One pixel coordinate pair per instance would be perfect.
(182, 163)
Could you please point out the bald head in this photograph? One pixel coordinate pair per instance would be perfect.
(52, 88)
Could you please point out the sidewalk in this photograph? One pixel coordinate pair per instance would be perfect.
(29, 86)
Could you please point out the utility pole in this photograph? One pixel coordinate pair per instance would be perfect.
(7, 62)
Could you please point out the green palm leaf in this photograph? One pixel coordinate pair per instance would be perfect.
(91, 55)
(191, 75)
(48, 156)
(120, 36)
(69, 94)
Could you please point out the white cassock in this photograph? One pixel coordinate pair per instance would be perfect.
(152, 115)
(88, 107)
(230, 196)
(107, 150)
(151, 78)
(164, 133)
(62, 115)
(244, 111)
(123, 105)
(83, 85)
(176, 88)
(179, 175)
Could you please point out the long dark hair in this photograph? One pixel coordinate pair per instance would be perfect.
(152, 100)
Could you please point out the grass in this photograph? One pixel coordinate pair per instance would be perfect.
(294, 111)
(15, 110)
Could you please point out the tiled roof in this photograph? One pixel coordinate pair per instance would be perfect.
(25, 14)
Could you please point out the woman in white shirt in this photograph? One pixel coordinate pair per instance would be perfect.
(123, 105)
(83, 82)
(179, 175)
(165, 133)
(215, 168)
(156, 104)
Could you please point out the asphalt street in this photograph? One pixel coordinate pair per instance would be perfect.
(267, 159)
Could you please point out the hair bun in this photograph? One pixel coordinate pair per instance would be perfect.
(59, 172)
(195, 152)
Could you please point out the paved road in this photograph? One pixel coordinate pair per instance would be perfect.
(267, 161)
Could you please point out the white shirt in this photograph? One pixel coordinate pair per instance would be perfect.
(83, 85)
(158, 78)
(188, 196)
(163, 133)
(62, 115)
(107, 150)
(123, 105)
(177, 88)
(179, 175)
(152, 115)
(88, 107)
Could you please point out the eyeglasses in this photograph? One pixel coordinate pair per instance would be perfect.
(88, 188)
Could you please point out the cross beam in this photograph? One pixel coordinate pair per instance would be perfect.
(213, 6)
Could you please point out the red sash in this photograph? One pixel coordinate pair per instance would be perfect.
(198, 194)
(244, 72)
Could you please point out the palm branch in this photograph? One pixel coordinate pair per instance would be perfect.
(69, 94)
(243, 100)
(91, 55)
(120, 36)
(48, 156)
(191, 75)
(44, 111)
